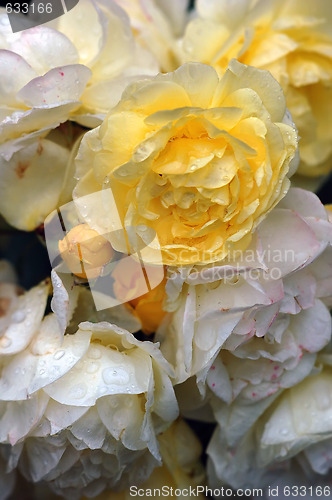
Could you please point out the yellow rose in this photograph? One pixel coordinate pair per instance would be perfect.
(290, 38)
(129, 288)
(196, 160)
(85, 251)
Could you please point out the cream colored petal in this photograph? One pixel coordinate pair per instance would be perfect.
(25, 320)
(15, 73)
(31, 183)
(44, 48)
(85, 26)
(36, 120)
(119, 45)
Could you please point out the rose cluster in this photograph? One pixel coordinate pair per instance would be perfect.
(164, 158)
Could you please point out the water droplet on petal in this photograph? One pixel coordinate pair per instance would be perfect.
(92, 367)
(94, 353)
(18, 316)
(118, 376)
(58, 355)
(78, 391)
(113, 402)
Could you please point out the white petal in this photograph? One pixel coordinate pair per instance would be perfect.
(48, 361)
(15, 73)
(44, 48)
(25, 320)
(31, 183)
(110, 373)
(64, 83)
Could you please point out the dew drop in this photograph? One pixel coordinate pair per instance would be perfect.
(78, 391)
(92, 367)
(84, 210)
(117, 376)
(94, 353)
(58, 355)
(113, 402)
(18, 316)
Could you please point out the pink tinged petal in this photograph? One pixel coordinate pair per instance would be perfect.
(265, 318)
(301, 286)
(313, 327)
(61, 84)
(216, 330)
(218, 381)
(295, 375)
(291, 242)
(44, 48)
(15, 73)
(322, 230)
(306, 203)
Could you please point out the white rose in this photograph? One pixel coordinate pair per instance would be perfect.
(82, 411)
